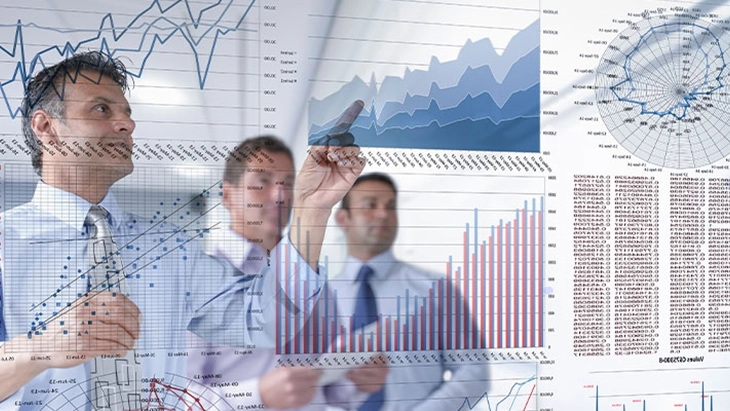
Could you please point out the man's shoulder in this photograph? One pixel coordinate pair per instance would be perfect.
(24, 217)
(401, 267)
(21, 209)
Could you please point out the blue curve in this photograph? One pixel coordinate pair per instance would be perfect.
(518, 386)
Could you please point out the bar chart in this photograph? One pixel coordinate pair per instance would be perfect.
(691, 389)
(490, 296)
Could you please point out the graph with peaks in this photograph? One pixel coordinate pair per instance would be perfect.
(681, 389)
(512, 387)
(697, 399)
(134, 34)
(480, 92)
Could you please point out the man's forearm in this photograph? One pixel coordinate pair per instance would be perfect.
(16, 370)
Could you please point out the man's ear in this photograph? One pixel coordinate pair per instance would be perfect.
(226, 195)
(342, 217)
(44, 128)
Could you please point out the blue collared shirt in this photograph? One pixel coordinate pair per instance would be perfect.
(409, 387)
(175, 285)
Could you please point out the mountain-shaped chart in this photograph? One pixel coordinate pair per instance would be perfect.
(482, 100)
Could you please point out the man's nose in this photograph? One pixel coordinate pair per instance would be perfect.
(124, 125)
(382, 212)
(279, 194)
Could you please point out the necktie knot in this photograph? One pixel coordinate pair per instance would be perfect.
(96, 221)
(365, 273)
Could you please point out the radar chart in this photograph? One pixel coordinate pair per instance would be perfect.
(661, 89)
(171, 393)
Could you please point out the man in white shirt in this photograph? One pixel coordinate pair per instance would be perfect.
(368, 217)
(258, 184)
(78, 126)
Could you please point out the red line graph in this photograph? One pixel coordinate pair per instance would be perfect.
(190, 401)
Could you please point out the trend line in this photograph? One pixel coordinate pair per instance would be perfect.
(158, 31)
(528, 398)
(518, 386)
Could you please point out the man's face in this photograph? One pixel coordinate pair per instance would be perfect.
(260, 203)
(95, 131)
(371, 223)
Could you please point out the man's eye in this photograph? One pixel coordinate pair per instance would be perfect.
(101, 108)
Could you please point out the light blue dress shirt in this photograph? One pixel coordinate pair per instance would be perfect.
(175, 285)
(246, 368)
(434, 380)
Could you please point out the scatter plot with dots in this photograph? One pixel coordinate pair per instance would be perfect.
(168, 214)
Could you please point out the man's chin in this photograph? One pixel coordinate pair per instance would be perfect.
(276, 224)
(123, 170)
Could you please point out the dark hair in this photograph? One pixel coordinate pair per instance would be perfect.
(249, 149)
(45, 91)
(380, 177)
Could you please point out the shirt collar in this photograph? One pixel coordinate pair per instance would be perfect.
(72, 209)
(382, 264)
(236, 248)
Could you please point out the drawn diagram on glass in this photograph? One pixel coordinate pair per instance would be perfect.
(661, 90)
(170, 393)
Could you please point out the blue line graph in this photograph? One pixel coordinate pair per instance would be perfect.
(152, 27)
(518, 398)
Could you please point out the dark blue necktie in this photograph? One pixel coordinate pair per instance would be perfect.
(366, 308)
(366, 312)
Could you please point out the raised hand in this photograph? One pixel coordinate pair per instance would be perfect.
(327, 175)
